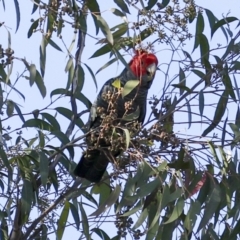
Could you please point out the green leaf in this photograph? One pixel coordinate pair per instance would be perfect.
(237, 119)
(105, 29)
(4, 227)
(75, 215)
(43, 168)
(164, 3)
(18, 110)
(129, 86)
(199, 29)
(211, 18)
(182, 88)
(121, 58)
(116, 83)
(54, 45)
(42, 50)
(4, 7)
(33, 27)
(92, 75)
(204, 47)
(189, 113)
(85, 223)
(199, 23)
(52, 120)
(101, 233)
(127, 137)
(50, 22)
(132, 116)
(1, 98)
(122, 5)
(80, 79)
(229, 49)
(41, 139)
(94, 8)
(27, 198)
(116, 12)
(141, 219)
(151, 4)
(182, 80)
(228, 84)
(10, 107)
(103, 189)
(6, 163)
(220, 110)
(33, 71)
(35, 5)
(82, 21)
(59, 91)
(17, 13)
(148, 188)
(191, 217)
(201, 102)
(213, 200)
(70, 76)
(38, 123)
(222, 22)
(63, 220)
(59, 26)
(69, 64)
(199, 73)
(120, 30)
(214, 153)
(153, 217)
(40, 84)
(83, 99)
(106, 65)
(177, 211)
(69, 114)
(101, 51)
(64, 140)
(109, 201)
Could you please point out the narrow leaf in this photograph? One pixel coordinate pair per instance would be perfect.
(33, 28)
(75, 215)
(40, 84)
(43, 168)
(201, 102)
(54, 45)
(222, 22)
(106, 65)
(211, 206)
(18, 110)
(220, 110)
(105, 29)
(177, 211)
(33, 71)
(17, 13)
(38, 123)
(92, 75)
(85, 223)
(129, 86)
(122, 5)
(63, 220)
(182, 80)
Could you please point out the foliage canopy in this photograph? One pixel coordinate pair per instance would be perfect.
(168, 182)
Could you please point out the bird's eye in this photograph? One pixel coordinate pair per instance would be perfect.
(142, 62)
(148, 73)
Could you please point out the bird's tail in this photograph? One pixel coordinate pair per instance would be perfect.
(92, 166)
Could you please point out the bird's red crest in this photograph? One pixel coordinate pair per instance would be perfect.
(141, 60)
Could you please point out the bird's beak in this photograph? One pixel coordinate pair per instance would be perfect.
(151, 69)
